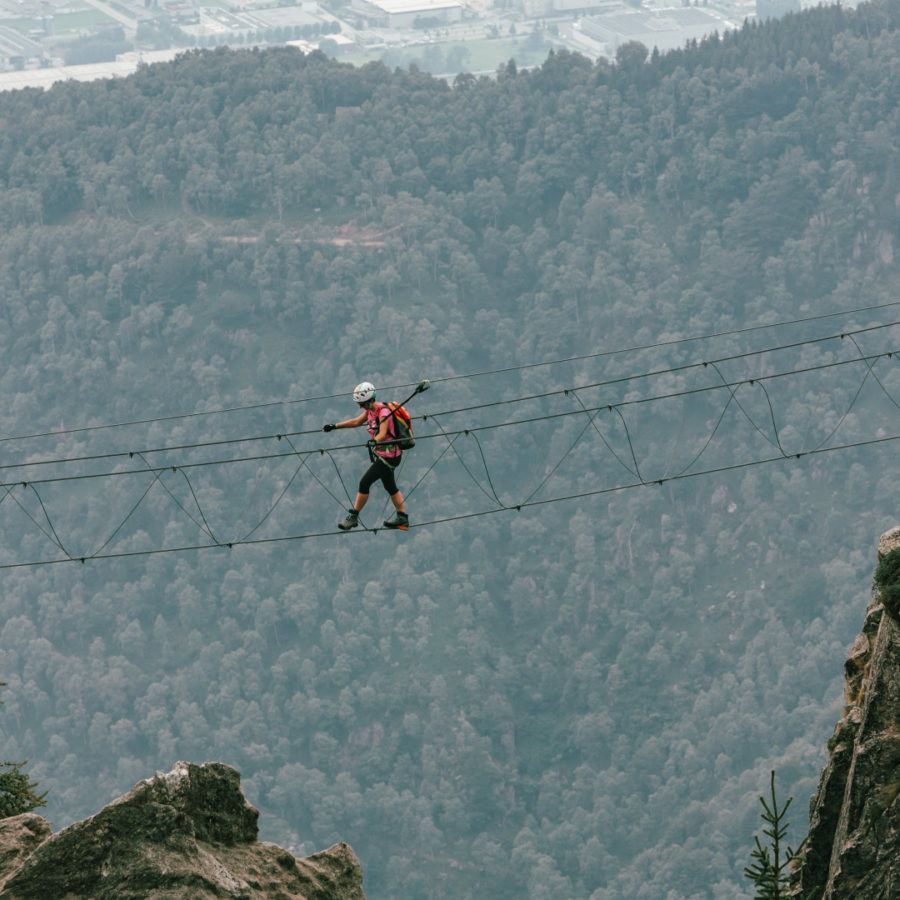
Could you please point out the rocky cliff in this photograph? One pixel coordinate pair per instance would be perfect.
(187, 835)
(853, 846)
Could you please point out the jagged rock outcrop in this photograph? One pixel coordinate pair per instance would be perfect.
(189, 834)
(852, 851)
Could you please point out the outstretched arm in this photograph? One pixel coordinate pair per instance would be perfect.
(354, 422)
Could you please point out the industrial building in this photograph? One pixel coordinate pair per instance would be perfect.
(16, 50)
(407, 13)
(666, 29)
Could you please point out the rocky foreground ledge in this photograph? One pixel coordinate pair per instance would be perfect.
(189, 834)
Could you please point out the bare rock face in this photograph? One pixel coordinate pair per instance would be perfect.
(19, 836)
(187, 835)
(853, 846)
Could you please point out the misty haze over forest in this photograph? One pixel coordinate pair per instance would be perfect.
(657, 301)
(45, 42)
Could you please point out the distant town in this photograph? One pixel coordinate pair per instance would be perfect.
(44, 41)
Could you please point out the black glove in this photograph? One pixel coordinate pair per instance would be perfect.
(328, 427)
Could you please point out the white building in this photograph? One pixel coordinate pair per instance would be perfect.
(406, 13)
(666, 29)
(536, 9)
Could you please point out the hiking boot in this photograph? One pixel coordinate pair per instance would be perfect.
(398, 520)
(351, 521)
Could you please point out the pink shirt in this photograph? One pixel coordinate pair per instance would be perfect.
(374, 418)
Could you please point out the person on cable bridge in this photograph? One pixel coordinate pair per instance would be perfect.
(384, 454)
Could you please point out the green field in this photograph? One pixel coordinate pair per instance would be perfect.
(22, 25)
(83, 19)
(483, 55)
(63, 23)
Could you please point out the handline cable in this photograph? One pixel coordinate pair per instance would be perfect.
(55, 537)
(606, 383)
(668, 396)
(471, 515)
(729, 384)
(446, 378)
(867, 360)
(668, 343)
(208, 529)
(199, 445)
(479, 428)
(653, 373)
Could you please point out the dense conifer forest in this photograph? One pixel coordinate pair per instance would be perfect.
(581, 698)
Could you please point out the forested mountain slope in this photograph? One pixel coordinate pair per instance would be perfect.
(576, 699)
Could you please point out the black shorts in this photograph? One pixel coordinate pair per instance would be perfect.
(379, 470)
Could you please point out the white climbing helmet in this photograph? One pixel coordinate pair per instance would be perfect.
(364, 392)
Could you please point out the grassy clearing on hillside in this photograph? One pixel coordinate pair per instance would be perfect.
(476, 56)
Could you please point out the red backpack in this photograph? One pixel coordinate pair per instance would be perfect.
(402, 429)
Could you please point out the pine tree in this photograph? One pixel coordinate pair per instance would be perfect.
(16, 790)
(768, 871)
